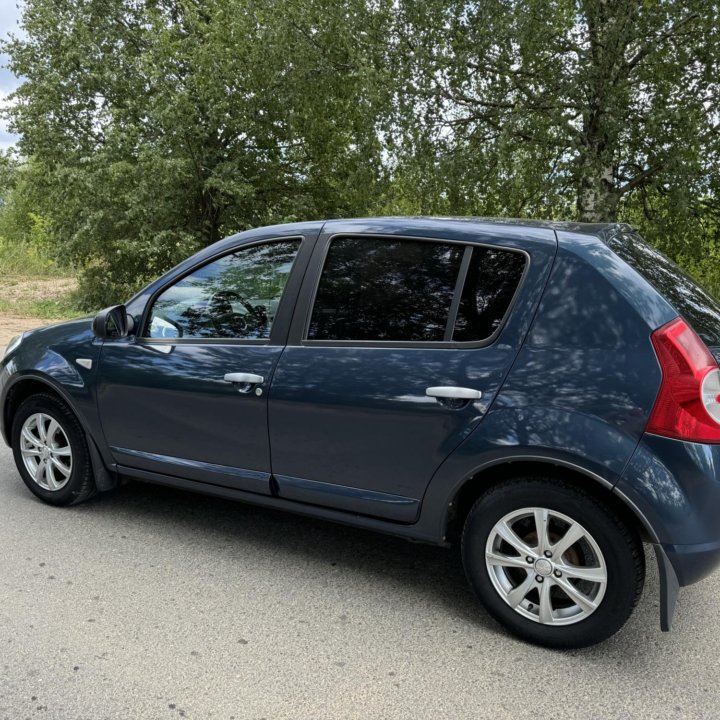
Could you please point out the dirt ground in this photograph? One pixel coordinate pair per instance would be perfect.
(26, 290)
(17, 294)
(11, 325)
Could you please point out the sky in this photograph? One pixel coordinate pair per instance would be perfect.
(9, 17)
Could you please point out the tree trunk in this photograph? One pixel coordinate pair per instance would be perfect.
(597, 198)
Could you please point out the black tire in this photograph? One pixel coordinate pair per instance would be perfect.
(620, 546)
(81, 483)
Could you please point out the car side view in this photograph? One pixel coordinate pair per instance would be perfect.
(546, 395)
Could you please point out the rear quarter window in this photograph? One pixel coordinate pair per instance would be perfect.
(492, 279)
(691, 301)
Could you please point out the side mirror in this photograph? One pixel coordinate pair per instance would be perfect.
(112, 322)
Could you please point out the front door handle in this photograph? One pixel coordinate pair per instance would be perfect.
(450, 392)
(244, 378)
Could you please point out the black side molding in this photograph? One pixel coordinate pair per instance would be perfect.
(396, 508)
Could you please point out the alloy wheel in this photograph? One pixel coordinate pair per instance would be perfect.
(546, 566)
(46, 452)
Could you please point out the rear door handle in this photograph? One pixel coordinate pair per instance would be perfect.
(244, 378)
(453, 393)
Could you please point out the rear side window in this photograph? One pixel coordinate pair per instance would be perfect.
(492, 279)
(386, 290)
(696, 305)
(400, 290)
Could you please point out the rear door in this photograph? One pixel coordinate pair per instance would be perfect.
(400, 341)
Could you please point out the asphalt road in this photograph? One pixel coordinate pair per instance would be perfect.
(153, 603)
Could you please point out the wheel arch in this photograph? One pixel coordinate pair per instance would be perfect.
(469, 490)
(28, 385)
(22, 388)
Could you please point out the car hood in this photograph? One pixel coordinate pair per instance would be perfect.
(72, 336)
(59, 330)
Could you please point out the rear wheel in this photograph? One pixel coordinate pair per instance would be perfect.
(51, 452)
(552, 563)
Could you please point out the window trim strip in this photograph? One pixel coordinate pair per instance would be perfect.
(457, 294)
(304, 341)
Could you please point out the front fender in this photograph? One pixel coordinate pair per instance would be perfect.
(49, 357)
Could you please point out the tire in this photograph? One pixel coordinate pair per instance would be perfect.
(608, 555)
(67, 477)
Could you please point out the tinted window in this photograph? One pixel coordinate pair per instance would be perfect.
(385, 289)
(697, 306)
(492, 279)
(236, 296)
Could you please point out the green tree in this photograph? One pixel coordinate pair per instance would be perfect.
(160, 126)
(153, 127)
(563, 108)
(24, 240)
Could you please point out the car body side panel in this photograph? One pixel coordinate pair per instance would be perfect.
(348, 418)
(553, 437)
(589, 354)
(600, 261)
(168, 409)
(165, 406)
(582, 387)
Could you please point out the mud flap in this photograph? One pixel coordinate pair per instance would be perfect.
(669, 587)
(103, 479)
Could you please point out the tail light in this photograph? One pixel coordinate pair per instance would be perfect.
(688, 404)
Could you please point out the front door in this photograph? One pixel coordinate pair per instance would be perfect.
(187, 397)
(404, 345)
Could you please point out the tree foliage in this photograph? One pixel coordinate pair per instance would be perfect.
(158, 127)
(561, 103)
(154, 127)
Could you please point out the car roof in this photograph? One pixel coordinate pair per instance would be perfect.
(440, 226)
(597, 229)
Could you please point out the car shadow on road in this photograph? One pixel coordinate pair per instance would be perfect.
(235, 529)
(424, 575)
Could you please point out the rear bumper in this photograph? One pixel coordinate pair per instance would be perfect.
(674, 487)
(692, 563)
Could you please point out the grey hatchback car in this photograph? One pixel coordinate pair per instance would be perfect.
(546, 396)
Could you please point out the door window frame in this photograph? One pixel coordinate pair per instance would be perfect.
(300, 327)
(286, 304)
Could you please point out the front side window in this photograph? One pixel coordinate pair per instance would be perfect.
(400, 290)
(234, 297)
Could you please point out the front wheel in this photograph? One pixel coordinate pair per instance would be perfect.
(552, 563)
(51, 452)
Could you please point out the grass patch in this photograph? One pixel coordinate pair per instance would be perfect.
(34, 286)
(62, 308)
(24, 260)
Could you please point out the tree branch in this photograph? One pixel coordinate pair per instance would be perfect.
(646, 47)
(639, 179)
